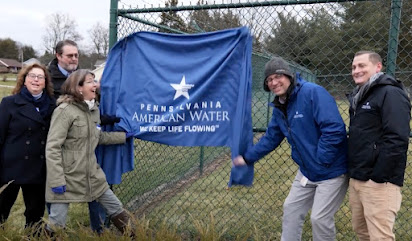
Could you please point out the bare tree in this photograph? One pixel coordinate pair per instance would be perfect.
(59, 27)
(99, 34)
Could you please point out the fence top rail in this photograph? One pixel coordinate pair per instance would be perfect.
(232, 5)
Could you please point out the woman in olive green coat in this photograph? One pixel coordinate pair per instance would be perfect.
(73, 174)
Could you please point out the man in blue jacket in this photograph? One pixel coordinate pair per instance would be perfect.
(307, 115)
(380, 112)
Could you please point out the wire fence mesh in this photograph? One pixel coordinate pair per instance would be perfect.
(183, 186)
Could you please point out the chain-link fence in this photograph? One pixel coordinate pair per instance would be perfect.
(184, 186)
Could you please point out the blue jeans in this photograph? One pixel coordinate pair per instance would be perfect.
(97, 216)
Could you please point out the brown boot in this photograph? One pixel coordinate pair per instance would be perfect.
(121, 220)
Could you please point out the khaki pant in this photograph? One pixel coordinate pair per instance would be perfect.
(374, 207)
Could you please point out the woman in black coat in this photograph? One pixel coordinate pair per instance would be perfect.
(24, 124)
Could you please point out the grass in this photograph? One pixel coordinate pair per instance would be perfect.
(157, 166)
(78, 214)
(141, 227)
(6, 88)
(8, 83)
(4, 77)
(255, 211)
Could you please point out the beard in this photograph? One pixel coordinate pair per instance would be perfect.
(71, 67)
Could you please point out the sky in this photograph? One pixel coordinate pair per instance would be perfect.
(25, 21)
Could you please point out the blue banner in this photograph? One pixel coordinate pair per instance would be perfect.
(180, 90)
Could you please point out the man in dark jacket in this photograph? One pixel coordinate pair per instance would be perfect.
(66, 61)
(378, 142)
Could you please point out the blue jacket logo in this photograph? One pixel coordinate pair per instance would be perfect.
(297, 115)
(366, 106)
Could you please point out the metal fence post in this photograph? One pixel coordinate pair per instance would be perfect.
(393, 41)
(113, 23)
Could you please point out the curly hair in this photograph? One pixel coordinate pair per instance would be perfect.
(21, 78)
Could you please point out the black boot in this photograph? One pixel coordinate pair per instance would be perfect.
(49, 233)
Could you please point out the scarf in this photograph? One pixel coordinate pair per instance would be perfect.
(41, 101)
(90, 103)
(360, 91)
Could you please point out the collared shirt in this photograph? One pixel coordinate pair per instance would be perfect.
(64, 72)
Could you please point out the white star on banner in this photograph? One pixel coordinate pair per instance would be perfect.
(182, 89)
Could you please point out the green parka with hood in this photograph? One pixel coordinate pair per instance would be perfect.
(70, 152)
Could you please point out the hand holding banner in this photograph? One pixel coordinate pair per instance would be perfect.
(180, 90)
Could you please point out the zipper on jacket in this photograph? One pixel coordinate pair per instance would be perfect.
(284, 116)
(293, 141)
(88, 153)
